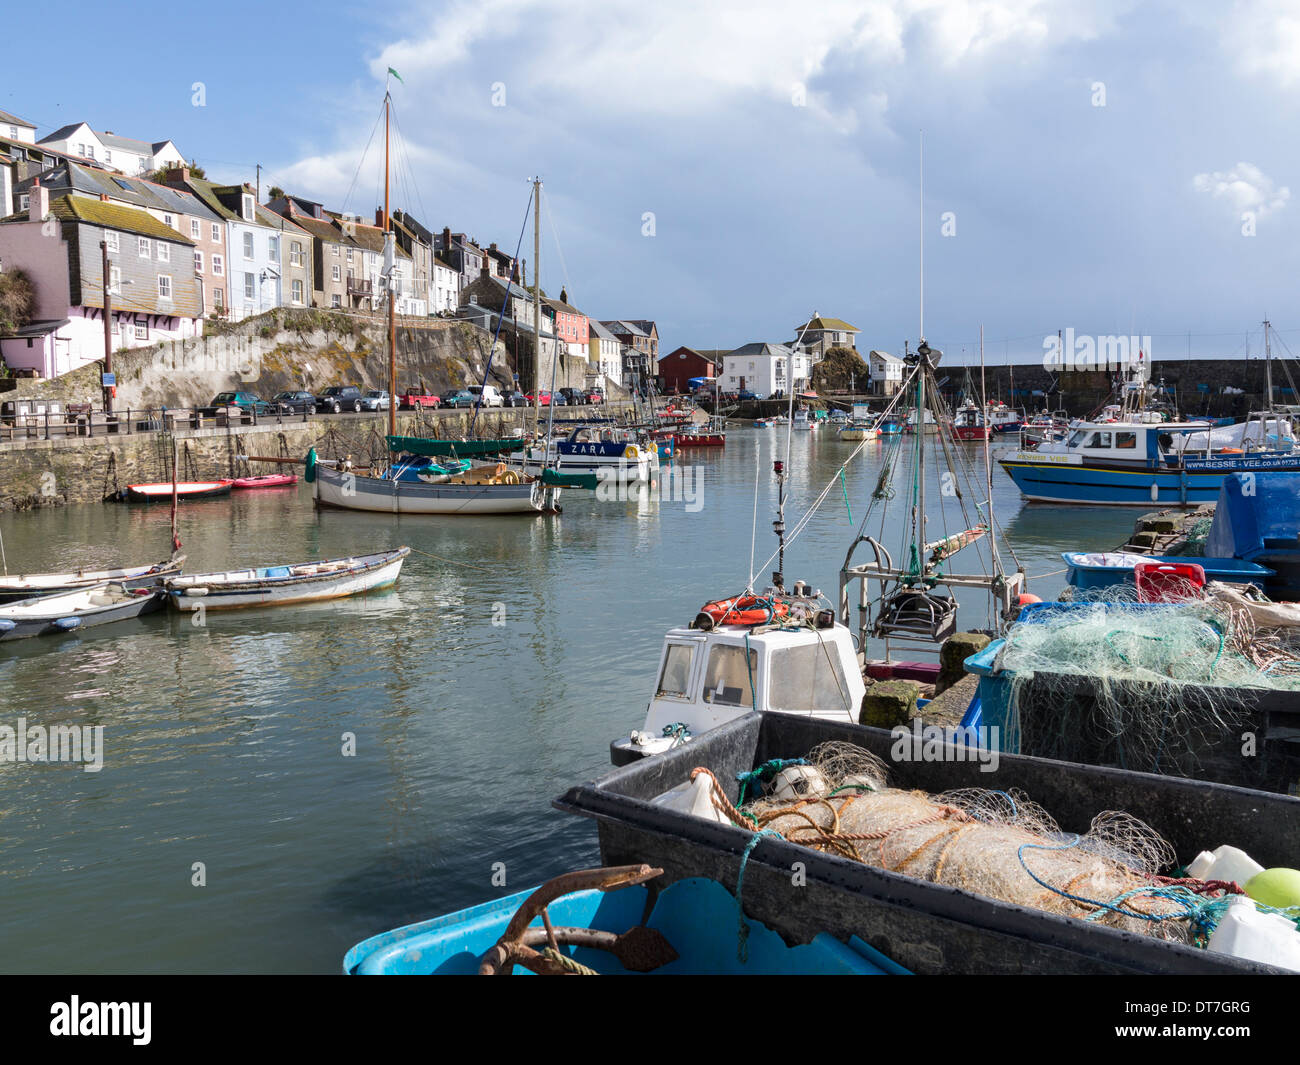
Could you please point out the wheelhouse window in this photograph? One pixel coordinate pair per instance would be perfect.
(808, 678)
(1126, 441)
(729, 678)
(675, 677)
(1099, 439)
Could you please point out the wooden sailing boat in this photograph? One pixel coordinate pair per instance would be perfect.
(408, 485)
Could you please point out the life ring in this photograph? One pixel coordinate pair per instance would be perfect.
(501, 469)
(741, 610)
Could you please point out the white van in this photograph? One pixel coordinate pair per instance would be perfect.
(486, 395)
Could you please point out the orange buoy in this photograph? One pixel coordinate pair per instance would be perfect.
(1026, 598)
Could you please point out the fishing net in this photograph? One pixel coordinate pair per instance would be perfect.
(994, 843)
(1149, 686)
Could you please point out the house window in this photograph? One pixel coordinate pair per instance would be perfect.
(114, 279)
(218, 265)
(335, 249)
(164, 252)
(297, 292)
(295, 253)
(218, 298)
(164, 286)
(169, 220)
(110, 239)
(24, 202)
(250, 291)
(248, 245)
(143, 245)
(349, 255)
(216, 232)
(141, 329)
(249, 208)
(196, 229)
(198, 262)
(334, 299)
(336, 270)
(273, 249)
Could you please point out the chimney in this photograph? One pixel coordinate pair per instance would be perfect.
(103, 197)
(38, 204)
(379, 217)
(446, 242)
(177, 175)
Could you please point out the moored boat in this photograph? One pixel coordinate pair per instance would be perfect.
(303, 582)
(31, 585)
(162, 491)
(266, 480)
(99, 604)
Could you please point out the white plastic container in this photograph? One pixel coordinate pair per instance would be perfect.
(1224, 863)
(1246, 933)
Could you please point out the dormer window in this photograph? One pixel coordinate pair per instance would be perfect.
(249, 207)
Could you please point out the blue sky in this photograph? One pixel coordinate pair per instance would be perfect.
(1099, 161)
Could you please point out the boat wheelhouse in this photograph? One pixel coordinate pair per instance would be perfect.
(708, 677)
(595, 449)
(1136, 464)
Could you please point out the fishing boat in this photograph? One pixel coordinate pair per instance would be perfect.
(1136, 464)
(605, 451)
(14, 587)
(969, 425)
(803, 420)
(1002, 419)
(162, 491)
(99, 604)
(303, 582)
(266, 480)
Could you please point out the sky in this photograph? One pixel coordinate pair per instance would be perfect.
(729, 168)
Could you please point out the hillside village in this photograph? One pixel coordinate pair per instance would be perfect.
(81, 207)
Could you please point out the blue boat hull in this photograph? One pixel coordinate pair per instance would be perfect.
(1046, 482)
(697, 916)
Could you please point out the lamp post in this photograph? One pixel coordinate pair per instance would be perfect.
(108, 334)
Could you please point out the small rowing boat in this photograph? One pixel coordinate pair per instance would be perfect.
(161, 491)
(266, 480)
(50, 615)
(32, 585)
(305, 582)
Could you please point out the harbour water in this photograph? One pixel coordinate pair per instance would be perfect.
(512, 651)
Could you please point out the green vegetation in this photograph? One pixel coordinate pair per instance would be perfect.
(17, 300)
(840, 368)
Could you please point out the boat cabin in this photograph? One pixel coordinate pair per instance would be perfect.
(706, 679)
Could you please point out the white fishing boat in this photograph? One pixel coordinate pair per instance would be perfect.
(304, 582)
(606, 451)
(18, 586)
(479, 490)
(803, 420)
(50, 615)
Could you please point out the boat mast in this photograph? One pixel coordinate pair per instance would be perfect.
(537, 305)
(923, 355)
(1268, 369)
(391, 255)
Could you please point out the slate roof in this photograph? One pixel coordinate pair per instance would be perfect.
(837, 324)
(13, 120)
(114, 216)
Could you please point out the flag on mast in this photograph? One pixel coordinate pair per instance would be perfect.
(396, 75)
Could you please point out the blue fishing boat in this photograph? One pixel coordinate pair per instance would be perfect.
(1172, 464)
(1256, 521)
(693, 929)
(1107, 569)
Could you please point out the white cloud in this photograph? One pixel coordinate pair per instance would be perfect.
(1245, 188)
(1263, 39)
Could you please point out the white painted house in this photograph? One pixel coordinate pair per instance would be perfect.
(764, 369)
(126, 154)
(444, 288)
(886, 372)
(17, 129)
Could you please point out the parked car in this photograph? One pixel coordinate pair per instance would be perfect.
(412, 399)
(375, 399)
(532, 398)
(557, 399)
(574, 396)
(745, 394)
(447, 395)
(514, 399)
(340, 397)
(459, 397)
(595, 396)
(245, 401)
(487, 394)
(295, 402)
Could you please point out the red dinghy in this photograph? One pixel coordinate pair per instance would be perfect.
(267, 480)
(161, 492)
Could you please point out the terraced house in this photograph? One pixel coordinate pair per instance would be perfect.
(330, 248)
(154, 290)
(180, 210)
(257, 244)
(367, 264)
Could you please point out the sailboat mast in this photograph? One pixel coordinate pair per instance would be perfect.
(392, 294)
(1268, 368)
(537, 305)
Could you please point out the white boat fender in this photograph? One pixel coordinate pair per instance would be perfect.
(196, 591)
(68, 624)
(6, 625)
(797, 782)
